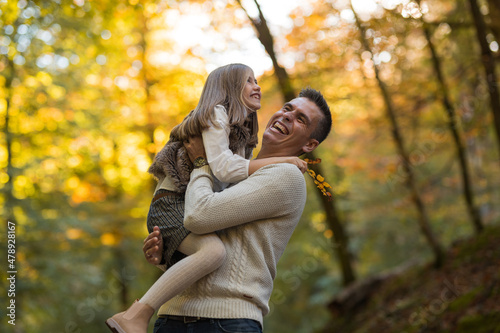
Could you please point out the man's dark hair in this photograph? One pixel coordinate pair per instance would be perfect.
(325, 125)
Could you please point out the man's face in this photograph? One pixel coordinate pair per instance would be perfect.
(289, 130)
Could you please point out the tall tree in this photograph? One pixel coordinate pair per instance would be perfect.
(7, 190)
(16, 41)
(8, 187)
(423, 219)
(488, 62)
(340, 238)
(494, 14)
(454, 129)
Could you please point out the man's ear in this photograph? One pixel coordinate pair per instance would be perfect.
(310, 146)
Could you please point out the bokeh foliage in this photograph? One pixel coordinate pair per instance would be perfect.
(89, 91)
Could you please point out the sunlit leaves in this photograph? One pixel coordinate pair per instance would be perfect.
(318, 179)
(94, 88)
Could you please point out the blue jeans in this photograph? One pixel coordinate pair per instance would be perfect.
(164, 325)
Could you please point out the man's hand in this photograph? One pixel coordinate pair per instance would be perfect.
(195, 148)
(153, 247)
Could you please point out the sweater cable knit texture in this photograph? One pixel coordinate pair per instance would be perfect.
(272, 199)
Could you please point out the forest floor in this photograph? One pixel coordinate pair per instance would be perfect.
(461, 297)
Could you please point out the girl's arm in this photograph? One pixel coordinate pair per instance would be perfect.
(259, 163)
(272, 191)
(226, 166)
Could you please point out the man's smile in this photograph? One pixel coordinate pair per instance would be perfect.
(280, 128)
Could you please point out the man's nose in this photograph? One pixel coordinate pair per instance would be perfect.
(288, 116)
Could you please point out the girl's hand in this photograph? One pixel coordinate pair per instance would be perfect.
(301, 164)
(153, 247)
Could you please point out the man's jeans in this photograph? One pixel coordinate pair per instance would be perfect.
(163, 325)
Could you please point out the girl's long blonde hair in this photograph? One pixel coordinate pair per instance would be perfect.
(224, 86)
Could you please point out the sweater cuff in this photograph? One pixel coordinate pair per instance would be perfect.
(247, 169)
(204, 170)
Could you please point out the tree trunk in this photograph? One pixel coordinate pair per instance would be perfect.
(10, 200)
(267, 40)
(494, 8)
(147, 82)
(340, 240)
(489, 67)
(120, 274)
(423, 219)
(8, 188)
(453, 126)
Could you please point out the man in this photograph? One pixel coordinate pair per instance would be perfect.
(254, 218)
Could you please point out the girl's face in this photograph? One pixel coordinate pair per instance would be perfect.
(251, 93)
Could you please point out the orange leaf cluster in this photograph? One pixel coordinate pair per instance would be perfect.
(319, 180)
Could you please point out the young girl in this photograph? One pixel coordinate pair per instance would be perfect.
(226, 119)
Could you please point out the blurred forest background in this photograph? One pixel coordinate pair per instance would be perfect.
(89, 91)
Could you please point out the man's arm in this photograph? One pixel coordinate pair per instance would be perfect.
(272, 191)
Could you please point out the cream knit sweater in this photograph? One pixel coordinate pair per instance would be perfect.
(272, 200)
